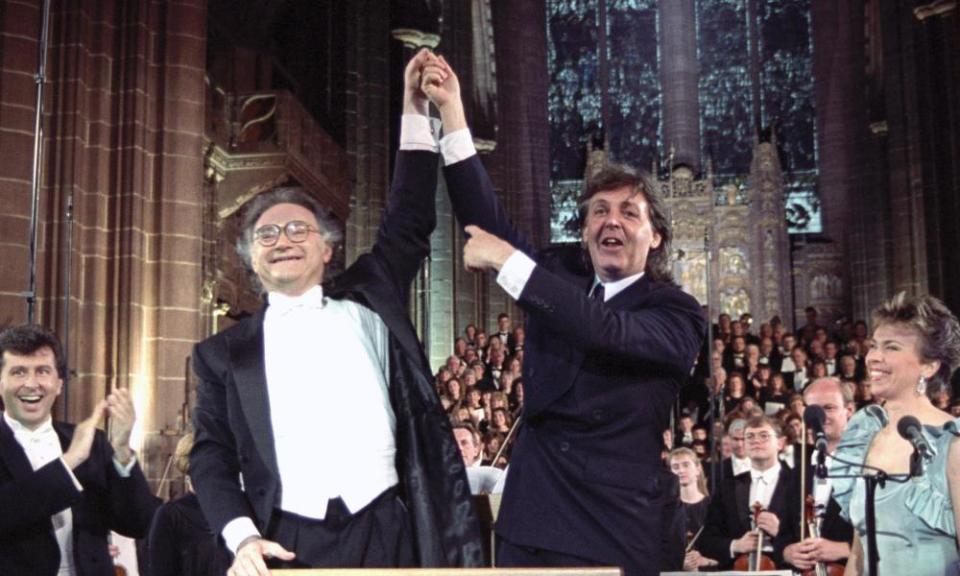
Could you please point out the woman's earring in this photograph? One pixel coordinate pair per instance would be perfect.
(921, 386)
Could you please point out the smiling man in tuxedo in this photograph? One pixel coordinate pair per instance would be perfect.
(63, 488)
(323, 400)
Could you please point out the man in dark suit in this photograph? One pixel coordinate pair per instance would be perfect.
(836, 534)
(62, 487)
(608, 345)
(323, 401)
(729, 531)
(503, 331)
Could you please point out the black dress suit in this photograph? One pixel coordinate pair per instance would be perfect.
(29, 498)
(728, 517)
(232, 418)
(600, 379)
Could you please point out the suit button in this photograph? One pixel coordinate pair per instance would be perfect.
(564, 446)
(598, 414)
(261, 491)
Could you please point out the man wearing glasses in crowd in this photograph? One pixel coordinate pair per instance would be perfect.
(728, 531)
(323, 400)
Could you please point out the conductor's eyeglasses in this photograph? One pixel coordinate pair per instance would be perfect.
(296, 231)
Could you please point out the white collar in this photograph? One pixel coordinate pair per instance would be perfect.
(611, 289)
(770, 475)
(22, 431)
(283, 304)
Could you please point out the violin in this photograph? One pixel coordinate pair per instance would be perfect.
(811, 518)
(813, 531)
(755, 561)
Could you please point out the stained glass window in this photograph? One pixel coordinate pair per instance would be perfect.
(755, 68)
(573, 97)
(723, 48)
(634, 80)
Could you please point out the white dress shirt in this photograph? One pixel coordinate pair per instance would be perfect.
(831, 364)
(762, 485)
(788, 456)
(327, 369)
(740, 465)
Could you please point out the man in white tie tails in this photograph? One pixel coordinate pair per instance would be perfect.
(323, 400)
(62, 487)
(728, 531)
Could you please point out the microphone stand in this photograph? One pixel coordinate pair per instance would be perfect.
(40, 79)
(871, 481)
(873, 554)
(716, 398)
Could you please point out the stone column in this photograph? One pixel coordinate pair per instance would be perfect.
(123, 142)
(679, 73)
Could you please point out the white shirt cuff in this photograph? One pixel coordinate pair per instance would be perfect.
(124, 471)
(238, 530)
(76, 483)
(457, 146)
(515, 272)
(419, 132)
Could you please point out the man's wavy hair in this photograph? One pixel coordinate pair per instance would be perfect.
(937, 327)
(27, 339)
(613, 177)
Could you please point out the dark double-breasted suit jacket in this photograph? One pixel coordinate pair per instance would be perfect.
(29, 498)
(599, 380)
(232, 419)
(729, 516)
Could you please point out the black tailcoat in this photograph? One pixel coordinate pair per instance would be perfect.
(232, 418)
(29, 498)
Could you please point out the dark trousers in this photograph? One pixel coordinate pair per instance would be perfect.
(510, 555)
(377, 536)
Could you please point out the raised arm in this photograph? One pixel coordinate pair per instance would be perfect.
(403, 238)
(471, 192)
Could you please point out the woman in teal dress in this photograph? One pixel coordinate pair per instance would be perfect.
(913, 353)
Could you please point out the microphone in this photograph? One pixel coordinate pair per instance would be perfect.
(813, 418)
(910, 429)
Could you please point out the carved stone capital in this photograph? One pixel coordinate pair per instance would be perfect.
(935, 8)
(879, 128)
(415, 38)
(484, 146)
